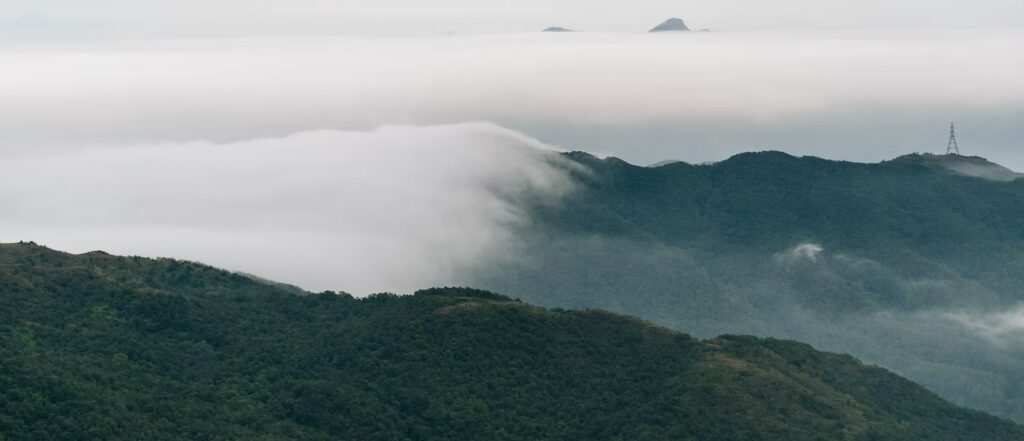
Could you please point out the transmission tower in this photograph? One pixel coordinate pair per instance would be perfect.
(952, 148)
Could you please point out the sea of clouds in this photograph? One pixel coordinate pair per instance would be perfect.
(345, 162)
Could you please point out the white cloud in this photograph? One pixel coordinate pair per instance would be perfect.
(397, 208)
(802, 252)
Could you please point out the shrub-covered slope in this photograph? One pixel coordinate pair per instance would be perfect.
(100, 347)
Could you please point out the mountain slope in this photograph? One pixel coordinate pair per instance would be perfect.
(102, 347)
(905, 263)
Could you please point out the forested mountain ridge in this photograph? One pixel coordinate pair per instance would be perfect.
(771, 199)
(101, 347)
(885, 261)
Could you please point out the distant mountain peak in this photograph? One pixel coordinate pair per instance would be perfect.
(558, 29)
(671, 25)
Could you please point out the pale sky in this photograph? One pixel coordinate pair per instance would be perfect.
(37, 20)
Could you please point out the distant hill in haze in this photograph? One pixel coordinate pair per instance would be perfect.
(671, 25)
(911, 263)
(96, 346)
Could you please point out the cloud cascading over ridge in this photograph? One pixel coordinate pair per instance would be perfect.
(396, 208)
(97, 139)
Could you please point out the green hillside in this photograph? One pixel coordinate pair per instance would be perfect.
(100, 347)
(867, 259)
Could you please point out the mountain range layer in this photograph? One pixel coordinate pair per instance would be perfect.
(916, 264)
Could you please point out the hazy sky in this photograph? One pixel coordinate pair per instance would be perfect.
(36, 19)
(248, 134)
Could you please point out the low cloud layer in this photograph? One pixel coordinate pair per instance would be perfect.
(397, 208)
(695, 97)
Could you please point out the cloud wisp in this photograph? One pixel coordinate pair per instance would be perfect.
(805, 251)
(1000, 327)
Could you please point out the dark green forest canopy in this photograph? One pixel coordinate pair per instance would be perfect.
(94, 346)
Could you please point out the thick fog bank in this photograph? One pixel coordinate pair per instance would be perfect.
(397, 208)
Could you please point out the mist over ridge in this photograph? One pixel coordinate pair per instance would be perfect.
(913, 252)
(344, 163)
(763, 243)
(715, 220)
